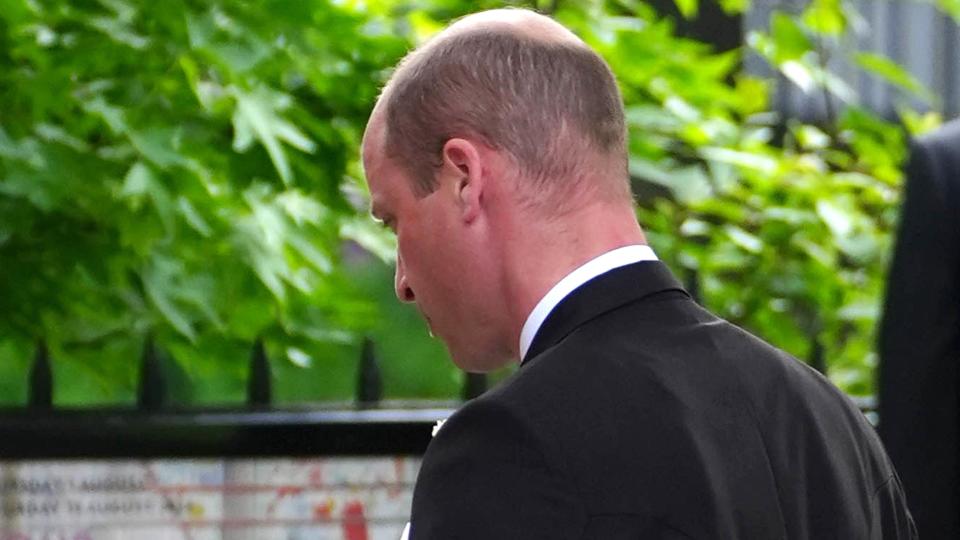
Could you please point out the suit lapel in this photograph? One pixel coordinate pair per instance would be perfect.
(601, 294)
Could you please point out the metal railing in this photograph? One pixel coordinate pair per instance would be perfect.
(157, 427)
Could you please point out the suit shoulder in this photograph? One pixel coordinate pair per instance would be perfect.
(488, 474)
(935, 156)
(947, 137)
(497, 426)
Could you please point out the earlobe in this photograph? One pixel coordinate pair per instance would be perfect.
(469, 201)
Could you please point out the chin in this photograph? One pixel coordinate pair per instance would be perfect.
(479, 361)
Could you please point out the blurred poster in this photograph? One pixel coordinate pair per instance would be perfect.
(263, 499)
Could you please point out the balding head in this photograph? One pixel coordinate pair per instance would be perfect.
(520, 22)
(517, 82)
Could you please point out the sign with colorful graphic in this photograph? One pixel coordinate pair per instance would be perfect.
(262, 499)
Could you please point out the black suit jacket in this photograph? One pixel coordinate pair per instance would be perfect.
(919, 383)
(639, 415)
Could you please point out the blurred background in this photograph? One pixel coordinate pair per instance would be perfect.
(187, 172)
(181, 203)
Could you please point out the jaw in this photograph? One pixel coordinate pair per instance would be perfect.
(481, 350)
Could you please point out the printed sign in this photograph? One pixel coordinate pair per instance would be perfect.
(263, 499)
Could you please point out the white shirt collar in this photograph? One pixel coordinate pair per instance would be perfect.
(584, 273)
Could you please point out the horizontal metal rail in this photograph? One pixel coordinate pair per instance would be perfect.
(114, 434)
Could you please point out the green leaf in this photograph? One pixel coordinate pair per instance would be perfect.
(193, 217)
(695, 227)
(734, 7)
(301, 208)
(868, 310)
(918, 124)
(159, 282)
(113, 116)
(140, 181)
(838, 219)
(311, 252)
(265, 261)
(793, 216)
(751, 160)
(811, 138)
(950, 7)
(257, 116)
(862, 248)
(211, 95)
(744, 239)
(688, 184)
(226, 41)
(651, 117)
(825, 17)
(16, 12)
(55, 133)
(682, 109)
(816, 251)
(424, 26)
(688, 8)
(119, 31)
(800, 74)
(299, 358)
(371, 237)
(156, 144)
(838, 87)
(892, 73)
(789, 39)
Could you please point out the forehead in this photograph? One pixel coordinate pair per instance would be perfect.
(374, 139)
(384, 178)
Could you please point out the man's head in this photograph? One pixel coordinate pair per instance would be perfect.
(518, 82)
(503, 121)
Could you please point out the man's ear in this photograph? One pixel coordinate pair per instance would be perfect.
(463, 175)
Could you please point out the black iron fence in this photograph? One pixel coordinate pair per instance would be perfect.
(158, 427)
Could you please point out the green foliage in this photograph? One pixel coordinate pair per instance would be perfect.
(688, 8)
(787, 226)
(188, 170)
(950, 7)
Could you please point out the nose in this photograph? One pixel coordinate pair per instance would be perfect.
(401, 287)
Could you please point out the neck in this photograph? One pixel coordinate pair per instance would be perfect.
(546, 251)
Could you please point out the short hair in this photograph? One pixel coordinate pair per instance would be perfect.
(543, 101)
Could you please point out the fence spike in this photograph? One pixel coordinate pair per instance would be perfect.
(259, 382)
(40, 392)
(152, 392)
(817, 359)
(474, 384)
(369, 381)
(692, 285)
